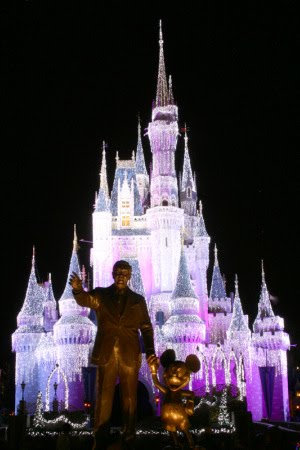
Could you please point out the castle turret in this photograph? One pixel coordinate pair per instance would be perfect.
(184, 329)
(238, 333)
(188, 194)
(270, 360)
(163, 133)
(74, 333)
(200, 266)
(164, 218)
(101, 253)
(219, 306)
(26, 338)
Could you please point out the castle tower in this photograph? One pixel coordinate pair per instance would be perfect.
(270, 397)
(163, 133)
(184, 330)
(74, 334)
(26, 338)
(101, 253)
(219, 306)
(164, 218)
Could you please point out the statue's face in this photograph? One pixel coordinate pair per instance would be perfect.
(176, 375)
(121, 277)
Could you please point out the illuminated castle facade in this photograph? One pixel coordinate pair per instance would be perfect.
(155, 221)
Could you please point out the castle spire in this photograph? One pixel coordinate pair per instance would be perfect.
(49, 295)
(217, 290)
(140, 160)
(236, 284)
(188, 195)
(75, 240)
(238, 321)
(184, 320)
(201, 230)
(183, 287)
(50, 311)
(264, 306)
(171, 96)
(162, 94)
(73, 267)
(187, 174)
(102, 198)
(103, 172)
(32, 309)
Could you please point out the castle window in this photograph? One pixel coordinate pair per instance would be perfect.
(125, 220)
(125, 213)
(160, 318)
(165, 203)
(189, 192)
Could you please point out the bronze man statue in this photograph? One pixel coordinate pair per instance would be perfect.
(121, 314)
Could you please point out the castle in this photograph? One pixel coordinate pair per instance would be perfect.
(154, 221)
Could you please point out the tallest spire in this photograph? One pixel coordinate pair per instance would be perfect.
(162, 94)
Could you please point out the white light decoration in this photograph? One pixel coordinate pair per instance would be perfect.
(141, 220)
(66, 387)
(39, 421)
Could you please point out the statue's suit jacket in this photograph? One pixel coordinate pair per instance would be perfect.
(113, 326)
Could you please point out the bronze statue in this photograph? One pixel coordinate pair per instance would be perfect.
(178, 403)
(121, 315)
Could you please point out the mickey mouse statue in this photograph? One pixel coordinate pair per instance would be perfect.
(178, 403)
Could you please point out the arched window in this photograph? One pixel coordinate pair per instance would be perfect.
(160, 318)
(165, 203)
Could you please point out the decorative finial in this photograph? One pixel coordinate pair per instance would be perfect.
(171, 96)
(133, 156)
(236, 286)
(162, 92)
(263, 280)
(182, 238)
(33, 254)
(75, 240)
(216, 256)
(200, 207)
(139, 127)
(185, 136)
(160, 35)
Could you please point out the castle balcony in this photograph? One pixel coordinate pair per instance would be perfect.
(165, 114)
(272, 340)
(274, 323)
(165, 217)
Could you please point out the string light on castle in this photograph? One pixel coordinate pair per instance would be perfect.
(141, 218)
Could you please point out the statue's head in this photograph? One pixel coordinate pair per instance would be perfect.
(121, 273)
(177, 373)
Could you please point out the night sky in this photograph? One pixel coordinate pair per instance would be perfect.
(75, 75)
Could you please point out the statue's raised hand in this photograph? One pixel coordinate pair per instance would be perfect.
(75, 282)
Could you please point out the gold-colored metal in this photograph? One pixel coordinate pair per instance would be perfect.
(178, 403)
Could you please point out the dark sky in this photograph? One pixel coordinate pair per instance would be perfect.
(75, 75)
